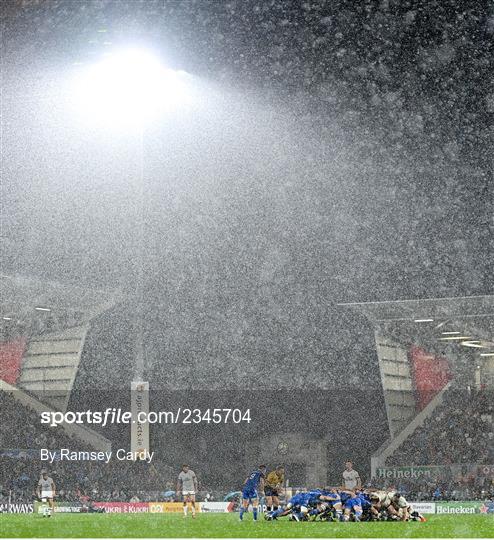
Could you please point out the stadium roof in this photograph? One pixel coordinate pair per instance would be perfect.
(438, 309)
(466, 321)
(21, 297)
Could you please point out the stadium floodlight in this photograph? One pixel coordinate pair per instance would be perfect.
(473, 344)
(455, 338)
(127, 88)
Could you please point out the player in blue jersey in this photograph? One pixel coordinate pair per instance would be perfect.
(329, 506)
(357, 505)
(366, 505)
(300, 505)
(294, 505)
(345, 495)
(253, 485)
(352, 505)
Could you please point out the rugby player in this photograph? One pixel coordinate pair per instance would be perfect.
(329, 507)
(46, 491)
(274, 484)
(351, 478)
(352, 504)
(392, 503)
(365, 504)
(403, 508)
(253, 485)
(187, 485)
(297, 505)
(400, 505)
(300, 505)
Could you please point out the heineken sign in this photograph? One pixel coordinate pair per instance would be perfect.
(463, 507)
(410, 473)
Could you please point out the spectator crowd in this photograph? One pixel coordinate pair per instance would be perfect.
(20, 464)
(461, 430)
(465, 486)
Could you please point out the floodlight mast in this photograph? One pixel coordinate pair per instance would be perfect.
(140, 362)
(123, 92)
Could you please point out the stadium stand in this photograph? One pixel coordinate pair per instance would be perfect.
(20, 466)
(461, 487)
(438, 394)
(460, 431)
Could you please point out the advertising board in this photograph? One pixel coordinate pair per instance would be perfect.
(60, 507)
(216, 507)
(166, 507)
(16, 508)
(424, 507)
(458, 507)
(411, 472)
(123, 507)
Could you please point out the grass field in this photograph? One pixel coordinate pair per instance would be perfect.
(228, 525)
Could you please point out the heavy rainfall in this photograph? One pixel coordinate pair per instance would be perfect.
(297, 190)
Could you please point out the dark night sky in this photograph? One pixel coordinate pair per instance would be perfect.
(346, 155)
(402, 88)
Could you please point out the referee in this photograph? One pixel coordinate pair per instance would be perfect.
(273, 486)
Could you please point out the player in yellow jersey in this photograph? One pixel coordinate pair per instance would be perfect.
(274, 484)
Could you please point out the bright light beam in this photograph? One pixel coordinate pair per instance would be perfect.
(128, 88)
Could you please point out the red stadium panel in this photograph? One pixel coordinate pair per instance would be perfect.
(11, 353)
(430, 372)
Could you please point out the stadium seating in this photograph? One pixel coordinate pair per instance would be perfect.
(461, 430)
(50, 365)
(20, 466)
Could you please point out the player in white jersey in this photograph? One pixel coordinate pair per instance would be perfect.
(46, 491)
(187, 485)
(392, 503)
(351, 478)
(399, 504)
